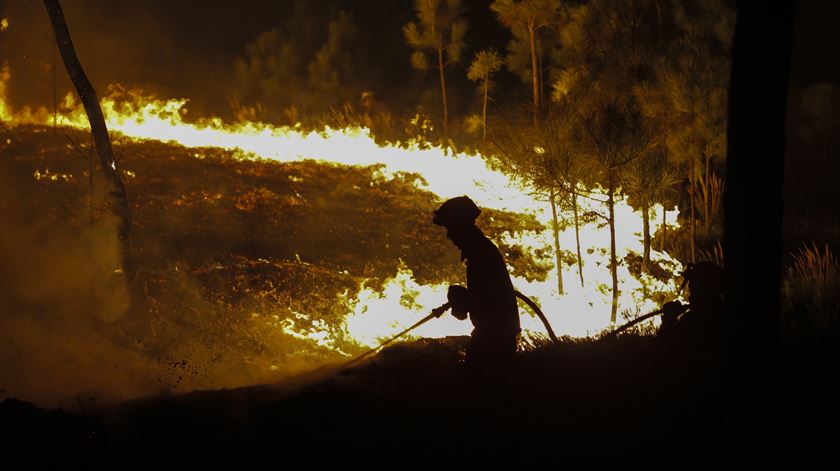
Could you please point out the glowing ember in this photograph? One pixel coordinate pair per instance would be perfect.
(581, 311)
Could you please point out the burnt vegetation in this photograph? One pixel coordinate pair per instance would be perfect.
(228, 250)
(237, 260)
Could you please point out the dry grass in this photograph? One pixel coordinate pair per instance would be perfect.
(811, 294)
(814, 266)
(714, 254)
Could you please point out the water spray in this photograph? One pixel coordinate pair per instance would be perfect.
(437, 312)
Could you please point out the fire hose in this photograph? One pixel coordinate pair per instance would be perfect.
(631, 324)
(642, 318)
(437, 312)
(531, 304)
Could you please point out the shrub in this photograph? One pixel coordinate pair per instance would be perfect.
(811, 294)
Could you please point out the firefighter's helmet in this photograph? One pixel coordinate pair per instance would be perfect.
(456, 212)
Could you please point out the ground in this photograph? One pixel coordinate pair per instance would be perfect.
(222, 239)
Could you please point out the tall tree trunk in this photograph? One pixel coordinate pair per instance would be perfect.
(484, 108)
(54, 93)
(535, 79)
(613, 257)
(707, 196)
(577, 239)
(758, 91)
(116, 189)
(443, 94)
(556, 229)
(646, 235)
(693, 222)
(541, 84)
(664, 228)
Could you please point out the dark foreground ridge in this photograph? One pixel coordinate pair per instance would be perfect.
(625, 399)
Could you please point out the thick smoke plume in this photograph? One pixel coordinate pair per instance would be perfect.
(60, 295)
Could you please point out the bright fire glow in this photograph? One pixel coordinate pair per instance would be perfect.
(581, 311)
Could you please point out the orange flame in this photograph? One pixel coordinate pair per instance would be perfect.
(581, 311)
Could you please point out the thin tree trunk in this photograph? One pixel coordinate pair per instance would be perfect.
(532, 33)
(93, 304)
(484, 108)
(707, 194)
(90, 179)
(541, 86)
(613, 257)
(54, 94)
(693, 223)
(577, 239)
(664, 227)
(443, 94)
(556, 229)
(646, 235)
(116, 189)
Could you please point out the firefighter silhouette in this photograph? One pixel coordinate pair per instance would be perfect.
(700, 321)
(489, 298)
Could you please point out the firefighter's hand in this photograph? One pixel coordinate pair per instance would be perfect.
(458, 297)
(460, 315)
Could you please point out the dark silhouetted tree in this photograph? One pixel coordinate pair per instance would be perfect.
(484, 64)
(116, 189)
(439, 30)
(613, 136)
(525, 18)
(647, 180)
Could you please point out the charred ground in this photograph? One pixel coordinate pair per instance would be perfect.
(224, 244)
(229, 250)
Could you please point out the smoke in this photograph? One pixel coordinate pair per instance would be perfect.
(167, 48)
(67, 332)
(60, 296)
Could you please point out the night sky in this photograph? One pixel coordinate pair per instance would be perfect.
(178, 49)
(174, 49)
(187, 49)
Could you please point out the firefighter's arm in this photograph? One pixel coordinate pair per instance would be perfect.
(673, 309)
(459, 298)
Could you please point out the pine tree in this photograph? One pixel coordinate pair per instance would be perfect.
(439, 31)
(525, 18)
(484, 64)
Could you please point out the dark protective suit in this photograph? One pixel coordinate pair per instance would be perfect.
(699, 325)
(490, 301)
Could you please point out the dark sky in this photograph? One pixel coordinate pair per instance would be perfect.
(187, 48)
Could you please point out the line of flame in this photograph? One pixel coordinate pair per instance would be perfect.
(581, 311)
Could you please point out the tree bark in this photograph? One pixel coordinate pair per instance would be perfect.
(443, 93)
(532, 33)
(613, 257)
(753, 210)
(646, 235)
(540, 76)
(484, 108)
(577, 239)
(54, 93)
(707, 196)
(118, 199)
(556, 229)
(693, 223)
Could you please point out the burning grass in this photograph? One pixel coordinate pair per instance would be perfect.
(249, 267)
